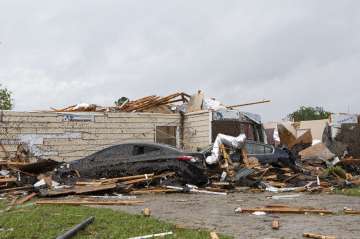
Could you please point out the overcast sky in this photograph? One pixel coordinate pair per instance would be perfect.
(292, 52)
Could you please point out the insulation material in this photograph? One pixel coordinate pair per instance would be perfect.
(235, 142)
(195, 102)
(212, 104)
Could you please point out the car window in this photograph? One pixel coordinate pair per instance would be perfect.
(268, 149)
(117, 152)
(259, 149)
(255, 148)
(140, 150)
(250, 148)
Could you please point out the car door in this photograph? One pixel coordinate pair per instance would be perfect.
(263, 152)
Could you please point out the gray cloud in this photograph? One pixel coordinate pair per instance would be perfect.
(293, 52)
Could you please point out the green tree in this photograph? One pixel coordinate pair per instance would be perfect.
(309, 113)
(6, 102)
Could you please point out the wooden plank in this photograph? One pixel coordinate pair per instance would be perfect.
(351, 211)
(8, 180)
(149, 178)
(155, 190)
(81, 202)
(317, 236)
(26, 198)
(80, 189)
(284, 210)
(16, 189)
(115, 180)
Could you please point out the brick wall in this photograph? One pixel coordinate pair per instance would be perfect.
(70, 136)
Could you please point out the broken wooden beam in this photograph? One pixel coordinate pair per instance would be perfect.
(351, 211)
(30, 187)
(7, 180)
(140, 180)
(155, 190)
(250, 103)
(26, 198)
(81, 202)
(162, 235)
(317, 236)
(115, 180)
(283, 210)
(78, 190)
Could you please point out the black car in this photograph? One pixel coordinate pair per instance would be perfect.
(144, 158)
(136, 158)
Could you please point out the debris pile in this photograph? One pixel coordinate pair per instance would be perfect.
(297, 165)
(153, 103)
(229, 165)
(176, 102)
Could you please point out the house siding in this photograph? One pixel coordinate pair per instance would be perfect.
(52, 135)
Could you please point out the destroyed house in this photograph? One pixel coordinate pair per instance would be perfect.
(66, 136)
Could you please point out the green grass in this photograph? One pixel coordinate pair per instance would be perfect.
(30, 221)
(349, 191)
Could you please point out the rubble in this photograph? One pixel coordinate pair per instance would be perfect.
(313, 173)
(153, 103)
(299, 163)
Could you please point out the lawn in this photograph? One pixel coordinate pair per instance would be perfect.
(349, 191)
(30, 221)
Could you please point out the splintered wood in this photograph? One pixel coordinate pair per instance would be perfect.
(88, 202)
(283, 209)
(213, 235)
(125, 180)
(26, 198)
(143, 104)
(351, 211)
(125, 183)
(317, 236)
(275, 224)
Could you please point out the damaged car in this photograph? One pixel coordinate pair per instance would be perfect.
(136, 158)
(147, 158)
(264, 153)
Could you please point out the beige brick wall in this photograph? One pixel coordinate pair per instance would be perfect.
(50, 135)
(197, 130)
